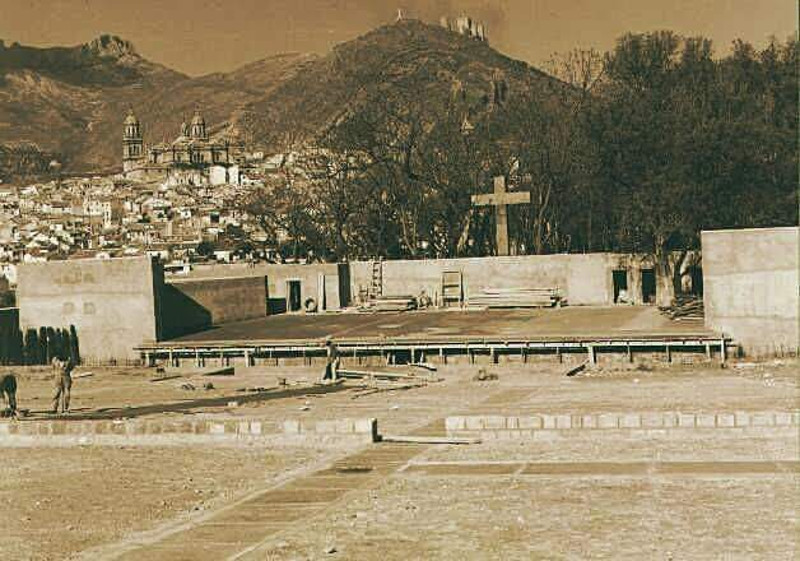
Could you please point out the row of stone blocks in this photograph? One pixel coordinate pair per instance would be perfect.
(366, 427)
(230, 428)
(657, 420)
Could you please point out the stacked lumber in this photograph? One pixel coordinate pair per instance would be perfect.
(519, 297)
(685, 307)
(393, 304)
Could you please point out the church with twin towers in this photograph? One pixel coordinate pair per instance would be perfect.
(192, 158)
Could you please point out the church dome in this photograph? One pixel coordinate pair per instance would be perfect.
(198, 119)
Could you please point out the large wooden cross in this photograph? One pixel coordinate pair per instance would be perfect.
(500, 200)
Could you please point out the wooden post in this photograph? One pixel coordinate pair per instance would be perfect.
(630, 353)
(592, 354)
(669, 353)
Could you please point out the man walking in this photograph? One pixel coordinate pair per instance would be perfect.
(8, 391)
(62, 371)
(332, 362)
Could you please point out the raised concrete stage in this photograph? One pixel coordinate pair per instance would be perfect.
(439, 335)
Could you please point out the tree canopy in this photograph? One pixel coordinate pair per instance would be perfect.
(640, 149)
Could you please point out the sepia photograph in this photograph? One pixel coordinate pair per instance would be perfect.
(457, 280)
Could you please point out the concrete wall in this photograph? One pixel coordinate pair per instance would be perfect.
(750, 280)
(111, 302)
(584, 279)
(319, 281)
(190, 305)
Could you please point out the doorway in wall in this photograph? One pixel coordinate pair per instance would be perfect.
(293, 292)
(696, 273)
(648, 286)
(620, 278)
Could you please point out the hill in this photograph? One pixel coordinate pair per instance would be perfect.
(70, 101)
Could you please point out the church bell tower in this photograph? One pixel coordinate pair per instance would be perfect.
(132, 143)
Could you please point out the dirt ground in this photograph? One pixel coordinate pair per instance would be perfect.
(57, 502)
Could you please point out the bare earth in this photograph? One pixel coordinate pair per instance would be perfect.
(59, 502)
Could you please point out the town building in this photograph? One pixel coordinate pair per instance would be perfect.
(193, 158)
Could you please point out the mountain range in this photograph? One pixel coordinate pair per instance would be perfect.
(68, 103)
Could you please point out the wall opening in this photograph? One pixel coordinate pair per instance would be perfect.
(293, 291)
(620, 279)
(648, 286)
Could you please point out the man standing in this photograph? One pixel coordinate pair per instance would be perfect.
(62, 371)
(332, 362)
(8, 391)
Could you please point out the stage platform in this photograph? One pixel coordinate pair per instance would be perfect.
(445, 333)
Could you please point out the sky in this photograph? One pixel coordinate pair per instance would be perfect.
(204, 36)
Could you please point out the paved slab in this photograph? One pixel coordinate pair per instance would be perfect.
(588, 322)
(590, 469)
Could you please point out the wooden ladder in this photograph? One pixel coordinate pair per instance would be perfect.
(376, 286)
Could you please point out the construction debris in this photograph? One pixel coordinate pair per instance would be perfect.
(392, 304)
(515, 298)
(425, 365)
(164, 378)
(376, 375)
(685, 307)
(573, 370)
(225, 371)
(483, 376)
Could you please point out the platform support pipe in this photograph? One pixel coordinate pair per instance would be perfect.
(722, 350)
(592, 354)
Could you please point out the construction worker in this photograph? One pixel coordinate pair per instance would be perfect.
(8, 391)
(62, 372)
(332, 362)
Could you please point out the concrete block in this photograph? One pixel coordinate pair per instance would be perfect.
(243, 427)
(686, 420)
(291, 426)
(367, 426)
(474, 423)
(705, 420)
(726, 420)
(4, 428)
(58, 427)
(216, 428)
(652, 420)
(325, 427)
(742, 419)
(563, 422)
(796, 418)
(589, 421)
(669, 420)
(607, 421)
(548, 422)
(783, 419)
(527, 423)
(762, 419)
(545, 435)
(255, 427)
(512, 423)
(494, 422)
(455, 423)
(630, 421)
(344, 426)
